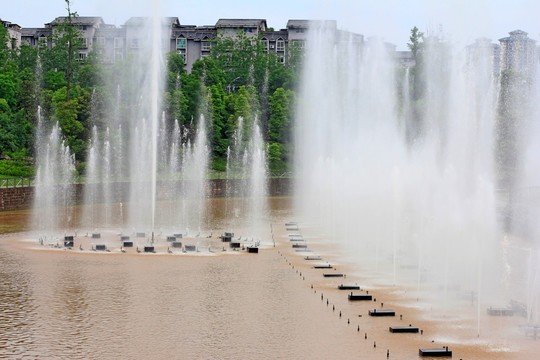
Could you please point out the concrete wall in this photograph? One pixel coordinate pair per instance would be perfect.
(19, 198)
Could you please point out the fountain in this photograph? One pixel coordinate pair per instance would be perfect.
(413, 199)
(54, 181)
(137, 156)
(247, 174)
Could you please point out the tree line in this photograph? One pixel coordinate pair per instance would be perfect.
(239, 78)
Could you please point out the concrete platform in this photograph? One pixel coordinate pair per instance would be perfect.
(333, 275)
(403, 329)
(500, 311)
(436, 352)
(360, 297)
(376, 312)
(348, 287)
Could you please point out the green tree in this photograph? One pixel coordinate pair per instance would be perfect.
(67, 42)
(282, 103)
(219, 121)
(4, 49)
(416, 86)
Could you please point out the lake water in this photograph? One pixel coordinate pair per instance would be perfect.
(216, 305)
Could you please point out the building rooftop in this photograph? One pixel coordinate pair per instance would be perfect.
(81, 20)
(516, 35)
(306, 24)
(234, 23)
(142, 20)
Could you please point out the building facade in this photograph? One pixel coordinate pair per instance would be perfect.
(14, 34)
(191, 42)
(518, 53)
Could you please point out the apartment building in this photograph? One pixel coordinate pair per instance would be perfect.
(189, 41)
(518, 53)
(14, 34)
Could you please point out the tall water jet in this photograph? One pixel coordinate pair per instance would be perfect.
(92, 182)
(194, 175)
(54, 180)
(235, 178)
(144, 143)
(398, 197)
(258, 187)
(247, 173)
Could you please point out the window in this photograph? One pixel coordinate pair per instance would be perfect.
(299, 30)
(264, 43)
(84, 42)
(42, 41)
(182, 56)
(248, 30)
(280, 45)
(134, 43)
(81, 57)
(118, 54)
(205, 45)
(299, 44)
(181, 43)
(282, 59)
(118, 43)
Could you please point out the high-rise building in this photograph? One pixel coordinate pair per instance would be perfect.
(518, 53)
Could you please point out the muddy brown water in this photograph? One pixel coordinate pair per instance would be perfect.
(72, 304)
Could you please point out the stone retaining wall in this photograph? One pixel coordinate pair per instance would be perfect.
(19, 198)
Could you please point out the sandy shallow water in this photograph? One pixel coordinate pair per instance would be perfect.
(57, 303)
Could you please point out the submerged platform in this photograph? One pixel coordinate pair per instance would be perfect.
(333, 275)
(357, 297)
(348, 287)
(436, 352)
(376, 312)
(310, 258)
(68, 241)
(323, 266)
(500, 311)
(403, 329)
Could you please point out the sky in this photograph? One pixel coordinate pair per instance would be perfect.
(459, 21)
